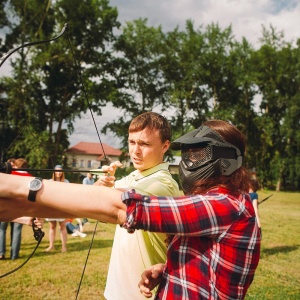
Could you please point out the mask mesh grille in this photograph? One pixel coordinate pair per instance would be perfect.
(195, 157)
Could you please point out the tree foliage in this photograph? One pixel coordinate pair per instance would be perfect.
(52, 84)
(139, 74)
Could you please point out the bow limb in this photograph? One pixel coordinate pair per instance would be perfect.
(9, 53)
(6, 168)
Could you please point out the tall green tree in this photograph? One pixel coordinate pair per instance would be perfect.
(242, 103)
(277, 66)
(201, 76)
(138, 74)
(182, 67)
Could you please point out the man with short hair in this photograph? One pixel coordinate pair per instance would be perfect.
(149, 139)
(88, 179)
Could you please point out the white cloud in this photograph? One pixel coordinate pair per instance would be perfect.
(245, 16)
(85, 130)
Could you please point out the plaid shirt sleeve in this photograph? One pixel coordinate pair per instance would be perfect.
(216, 246)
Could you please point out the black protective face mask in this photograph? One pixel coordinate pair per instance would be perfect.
(205, 154)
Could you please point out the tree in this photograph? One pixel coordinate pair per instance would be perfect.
(182, 68)
(46, 91)
(277, 77)
(241, 103)
(138, 74)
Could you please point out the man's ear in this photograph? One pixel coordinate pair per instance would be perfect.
(166, 146)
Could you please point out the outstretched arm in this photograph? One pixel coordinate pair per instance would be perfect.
(11, 209)
(100, 203)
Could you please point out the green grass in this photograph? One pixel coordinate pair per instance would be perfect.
(278, 273)
(57, 275)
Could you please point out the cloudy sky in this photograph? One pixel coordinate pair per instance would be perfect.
(245, 16)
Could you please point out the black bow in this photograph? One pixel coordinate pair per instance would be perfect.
(9, 53)
(7, 168)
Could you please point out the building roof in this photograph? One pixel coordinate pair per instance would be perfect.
(86, 148)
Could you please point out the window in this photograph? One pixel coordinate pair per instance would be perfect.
(74, 162)
(82, 163)
(89, 164)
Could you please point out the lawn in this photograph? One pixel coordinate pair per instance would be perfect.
(57, 275)
(278, 273)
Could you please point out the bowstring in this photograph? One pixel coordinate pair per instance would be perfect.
(86, 96)
(98, 134)
(12, 143)
(39, 239)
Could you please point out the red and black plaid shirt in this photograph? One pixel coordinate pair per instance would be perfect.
(216, 246)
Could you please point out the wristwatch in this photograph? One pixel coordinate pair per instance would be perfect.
(34, 186)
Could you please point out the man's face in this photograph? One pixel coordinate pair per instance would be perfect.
(146, 148)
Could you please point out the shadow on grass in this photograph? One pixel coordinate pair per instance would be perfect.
(73, 246)
(279, 249)
(84, 244)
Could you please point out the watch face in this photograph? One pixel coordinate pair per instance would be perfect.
(35, 184)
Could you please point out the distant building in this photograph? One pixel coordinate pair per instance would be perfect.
(85, 155)
(88, 156)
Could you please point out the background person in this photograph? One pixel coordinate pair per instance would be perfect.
(15, 227)
(87, 180)
(38, 223)
(58, 175)
(75, 230)
(254, 187)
